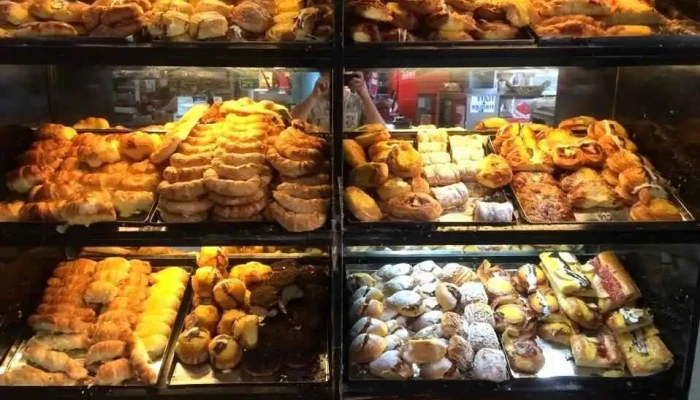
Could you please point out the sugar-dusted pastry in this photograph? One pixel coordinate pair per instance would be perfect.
(492, 211)
(366, 348)
(490, 365)
(451, 196)
(479, 312)
(406, 302)
(390, 365)
(481, 335)
(442, 174)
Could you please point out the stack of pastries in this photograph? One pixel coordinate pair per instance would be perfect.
(83, 178)
(176, 20)
(603, 18)
(421, 184)
(109, 313)
(424, 321)
(437, 20)
(600, 170)
(302, 198)
(262, 316)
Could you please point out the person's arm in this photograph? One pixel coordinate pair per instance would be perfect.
(371, 114)
(303, 109)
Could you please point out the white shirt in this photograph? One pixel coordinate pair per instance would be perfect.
(353, 112)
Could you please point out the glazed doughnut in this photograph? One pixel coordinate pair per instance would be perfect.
(312, 180)
(235, 159)
(239, 172)
(179, 218)
(294, 222)
(303, 206)
(233, 188)
(183, 174)
(242, 211)
(305, 191)
(189, 149)
(243, 147)
(140, 182)
(179, 160)
(237, 201)
(186, 207)
(182, 191)
(289, 167)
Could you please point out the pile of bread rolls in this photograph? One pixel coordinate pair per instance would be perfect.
(424, 183)
(424, 321)
(437, 20)
(233, 305)
(117, 313)
(175, 20)
(83, 178)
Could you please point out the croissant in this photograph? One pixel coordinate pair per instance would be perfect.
(54, 361)
(140, 362)
(26, 375)
(24, 178)
(59, 323)
(599, 129)
(494, 172)
(10, 211)
(414, 207)
(114, 373)
(63, 341)
(622, 160)
(295, 222)
(655, 210)
(100, 292)
(83, 313)
(111, 331)
(98, 151)
(105, 351)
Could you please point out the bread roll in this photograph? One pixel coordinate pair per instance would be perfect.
(354, 153)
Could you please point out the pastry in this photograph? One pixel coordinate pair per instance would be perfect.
(457, 274)
(105, 351)
(369, 175)
(288, 167)
(523, 352)
(192, 346)
(644, 352)
(493, 212)
(628, 319)
(361, 205)
(63, 341)
(414, 207)
(26, 375)
(391, 271)
(558, 328)
(182, 191)
(203, 316)
(543, 302)
(622, 160)
(568, 157)
(481, 335)
(494, 172)
(442, 174)
(594, 194)
(424, 351)
(528, 278)
(490, 365)
(204, 280)
(479, 313)
(114, 373)
(404, 161)
(566, 274)
(406, 302)
(59, 323)
(353, 153)
(517, 318)
(655, 210)
(229, 293)
(612, 284)
(451, 196)
(393, 187)
(597, 352)
(448, 296)
(251, 273)
(224, 352)
(441, 369)
(24, 178)
(390, 365)
(369, 325)
(54, 361)
(100, 292)
(299, 205)
(473, 292)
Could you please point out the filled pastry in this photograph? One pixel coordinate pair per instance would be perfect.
(644, 352)
(523, 352)
(600, 351)
(627, 319)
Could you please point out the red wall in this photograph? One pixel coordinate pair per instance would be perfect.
(410, 83)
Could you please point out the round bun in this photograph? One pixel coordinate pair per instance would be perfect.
(192, 346)
(224, 352)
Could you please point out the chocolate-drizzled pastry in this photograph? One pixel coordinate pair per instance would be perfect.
(224, 352)
(192, 346)
(284, 273)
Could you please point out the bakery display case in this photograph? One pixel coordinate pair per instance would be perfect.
(360, 199)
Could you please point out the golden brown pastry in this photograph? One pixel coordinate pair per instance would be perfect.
(26, 375)
(393, 187)
(529, 278)
(353, 153)
(54, 361)
(543, 302)
(361, 205)
(114, 373)
(612, 284)
(599, 129)
(594, 194)
(369, 175)
(229, 293)
(182, 191)
(371, 134)
(24, 178)
(295, 222)
(192, 346)
(299, 205)
(91, 122)
(203, 316)
(422, 8)
(401, 18)
(644, 352)
(523, 352)
(450, 21)
(494, 172)
(204, 280)
(373, 10)
(48, 28)
(252, 17)
(414, 207)
(10, 211)
(88, 209)
(404, 161)
(224, 352)
(105, 351)
(628, 319)
(655, 210)
(577, 123)
(288, 167)
(596, 352)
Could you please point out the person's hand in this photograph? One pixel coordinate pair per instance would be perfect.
(358, 85)
(322, 86)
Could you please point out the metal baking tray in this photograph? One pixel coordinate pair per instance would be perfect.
(15, 356)
(66, 40)
(452, 252)
(203, 374)
(460, 217)
(606, 216)
(524, 38)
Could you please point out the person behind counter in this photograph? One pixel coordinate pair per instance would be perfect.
(358, 107)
